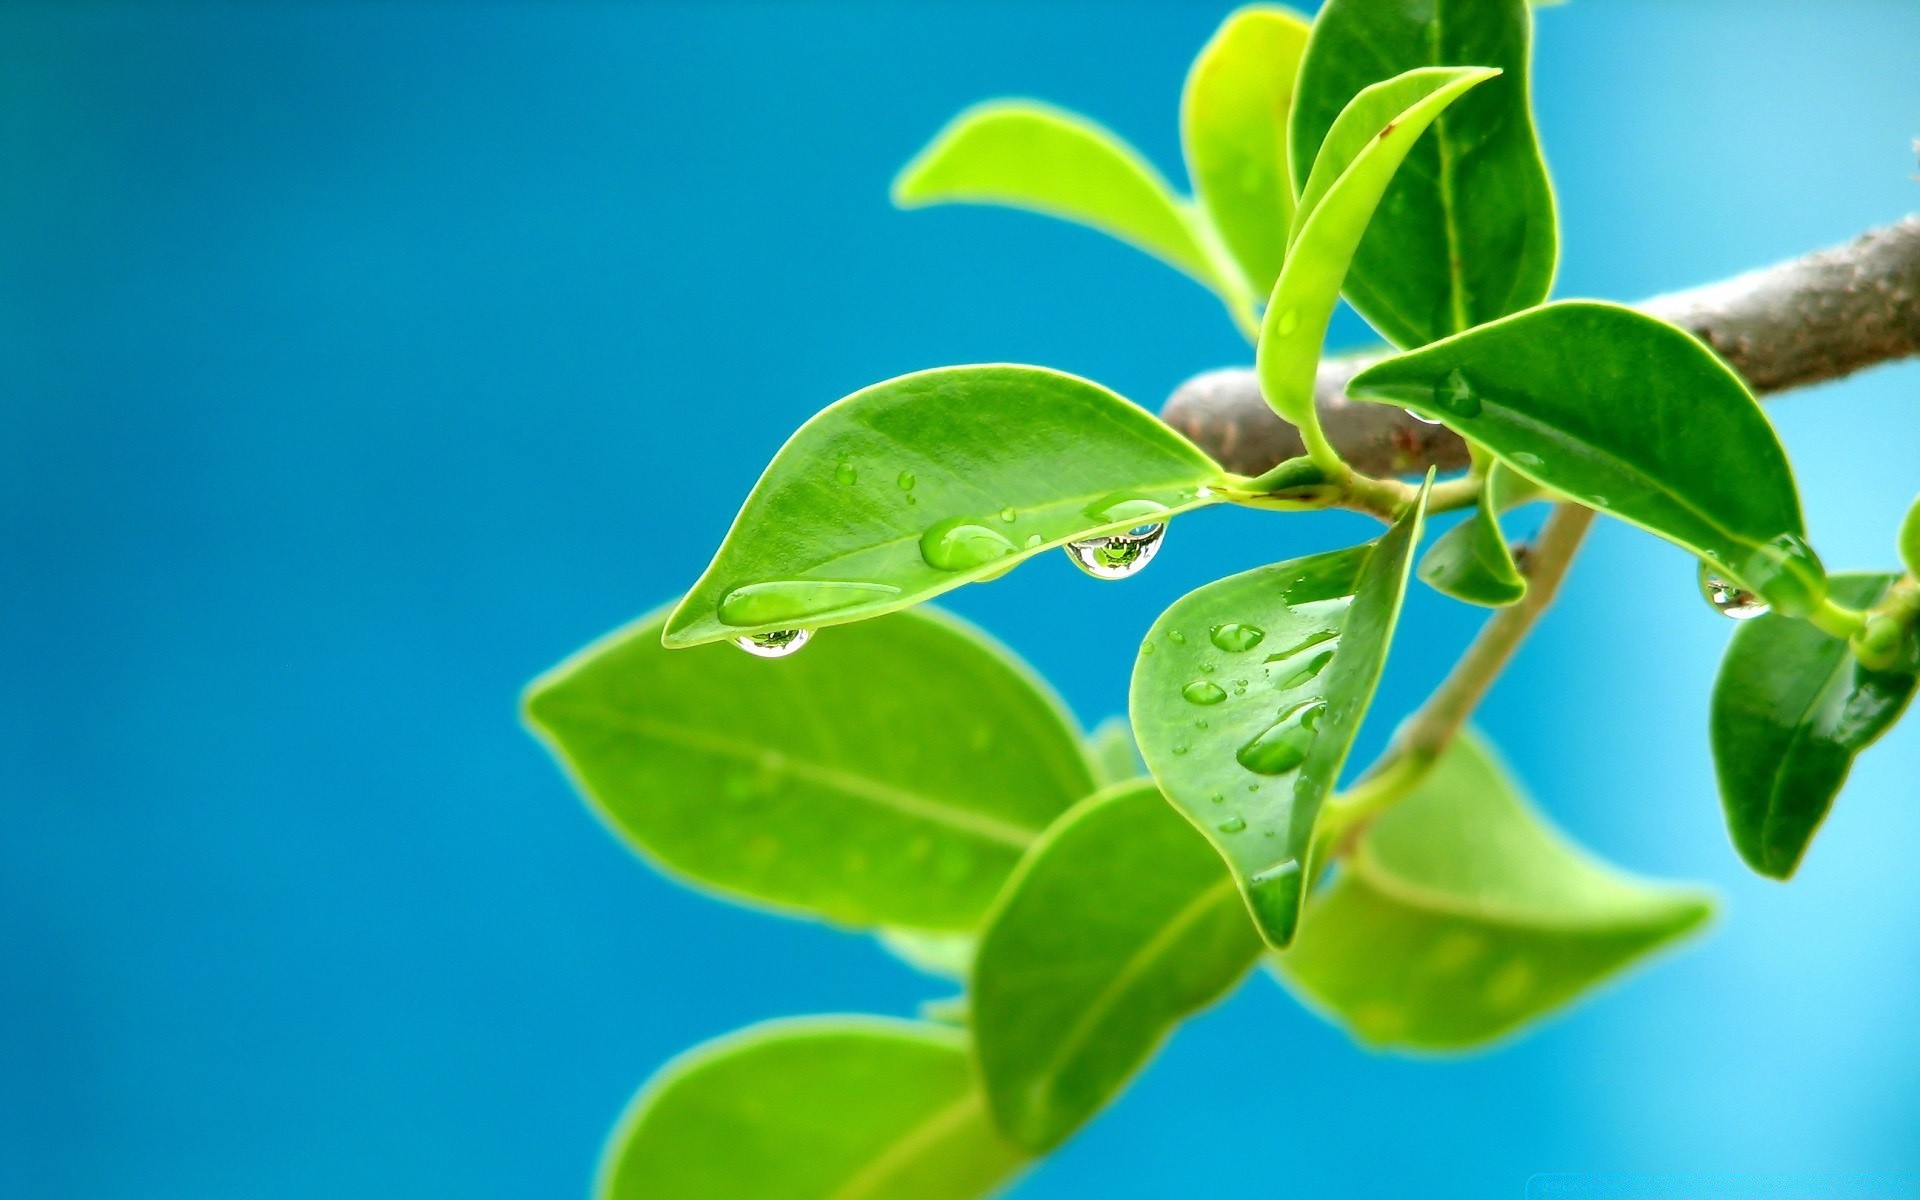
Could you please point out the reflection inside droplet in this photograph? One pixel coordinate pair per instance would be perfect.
(1119, 555)
(777, 644)
(1730, 599)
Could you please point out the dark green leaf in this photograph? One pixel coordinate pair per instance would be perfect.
(1472, 561)
(825, 1108)
(1366, 146)
(1791, 710)
(890, 774)
(1116, 759)
(1630, 415)
(917, 485)
(1462, 915)
(1119, 924)
(1233, 123)
(1467, 231)
(1248, 693)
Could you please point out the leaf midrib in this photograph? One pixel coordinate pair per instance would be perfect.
(907, 1146)
(1655, 911)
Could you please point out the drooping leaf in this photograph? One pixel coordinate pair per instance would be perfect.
(912, 487)
(1910, 540)
(1024, 154)
(1121, 923)
(1463, 915)
(1366, 146)
(1248, 693)
(1466, 233)
(1472, 561)
(1630, 415)
(943, 954)
(824, 1108)
(891, 774)
(1233, 124)
(1116, 759)
(1791, 710)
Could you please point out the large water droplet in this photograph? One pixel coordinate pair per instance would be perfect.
(1204, 691)
(1730, 599)
(778, 644)
(1118, 555)
(1236, 638)
(1456, 394)
(1283, 745)
(963, 543)
(846, 473)
(1232, 825)
(796, 599)
(1787, 574)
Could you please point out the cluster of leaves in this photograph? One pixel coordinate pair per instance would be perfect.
(909, 777)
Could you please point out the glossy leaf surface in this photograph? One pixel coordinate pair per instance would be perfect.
(891, 774)
(1462, 915)
(912, 487)
(1466, 232)
(1627, 414)
(1122, 922)
(826, 1108)
(1357, 161)
(1472, 561)
(1247, 696)
(1028, 155)
(1116, 758)
(1791, 710)
(1234, 118)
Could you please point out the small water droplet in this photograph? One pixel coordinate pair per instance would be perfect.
(1176, 637)
(1206, 668)
(1119, 555)
(1306, 643)
(1456, 394)
(1201, 724)
(1730, 599)
(846, 473)
(777, 644)
(795, 599)
(962, 543)
(906, 481)
(1204, 691)
(1033, 539)
(1424, 420)
(1289, 322)
(1007, 515)
(1180, 747)
(1218, 798)
(1232, 825)
(1527, 459)
(1146, 648)
(1236, 638)
(1283, 745)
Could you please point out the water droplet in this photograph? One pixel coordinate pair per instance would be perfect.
(1288, 322)
(1275, 873)
(906, 481)
(1283, 745)
(1118, 555)
(1306, 643)
(1204, 691)
(1730, 599)
(1033, 539)
(913, 499)
(1232, 825)
(1455, 394)
(1424, 420)
(1207, 668)
(845, 473)
(962, 543)
(1180, 747)
(1527, 459)
(1218, 798)
(1176, 637)
(1007, 515)
(1307, 673)
(1205, 493)
(1236, 638)
(1125, 506)
(1201, 724)
(1787, 574)
(778, 644)
(1146, 648)
(795, 599)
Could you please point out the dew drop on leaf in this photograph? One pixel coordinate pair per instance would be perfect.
(777, 644)
(1007, 515)
(962, 543)
(846, 473)
(1118, 555)
(1283, 745)
(1730, 599)
(1233, 825)
(1176, 637)
(1235, 638)
(1204, 691)
(906, 481)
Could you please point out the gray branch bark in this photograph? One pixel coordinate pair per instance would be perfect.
(1801, 322)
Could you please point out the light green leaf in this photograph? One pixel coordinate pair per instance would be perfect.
(1466, 233)
(823, 1108)
(891, 774)
(912, 487)
(1024, 154)
(1472, 561)
(1629, 415)
(1791, 710)
(940, 953)
(1356, 163)
(1116, 759)
(1910, 540)
(1462, 915)
(1121, 923)
(1248, 693)
(1233, 124)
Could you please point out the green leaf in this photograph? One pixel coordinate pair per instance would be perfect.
(1472, 561)
(1462, 915)
(1910, 540)
(940, 953)
(1023, 154)
(912, 487)
(1233, 124)
(1466, 233)
(1364, 149)
(1629, 415)
(1791, 710)
(892, 774)
(822, 1108)
(1121, 923)
(1248, 693)
(1116, 759)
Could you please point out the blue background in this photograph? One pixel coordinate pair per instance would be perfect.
(359, 361)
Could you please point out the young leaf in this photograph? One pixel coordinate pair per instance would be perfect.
(941, 954)
(1791, 710)
(912, 487)
(1463, 915)
(1028, 155)
(1910, 540)
(1120, 923)
(1233, 124)
(1355, 164)
(1116, 759)
(1248, 693)
(891, 774)
(823, 1108)
(1466, 233)
(1472, 561)
(1630, 415)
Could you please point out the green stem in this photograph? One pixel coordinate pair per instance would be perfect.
(1837, 619)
